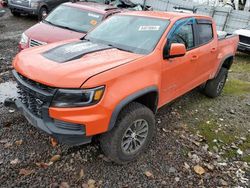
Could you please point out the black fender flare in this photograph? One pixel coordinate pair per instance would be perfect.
(43, 5)
(221, 63)
(126, 101)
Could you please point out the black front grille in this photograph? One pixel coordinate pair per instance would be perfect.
(32, 102)
(244, 39)
(36, 84)
(33, 94)
(68, 126)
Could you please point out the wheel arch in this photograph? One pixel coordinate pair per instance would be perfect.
(147, 96)
(226, 62)
(44, 6)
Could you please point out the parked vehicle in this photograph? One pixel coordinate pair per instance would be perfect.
(111, 82)
(39, 8)
(244, 35)
(67, 21)
(2, 11)
(4, 2)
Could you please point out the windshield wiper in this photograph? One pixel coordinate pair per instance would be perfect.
(64, 27)
(45, 21)
(84, 38)
(120, 48)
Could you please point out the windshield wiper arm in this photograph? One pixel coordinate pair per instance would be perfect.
(65, 27)
(48, 22)
(61, 26)
(120, 48)
(84, 38)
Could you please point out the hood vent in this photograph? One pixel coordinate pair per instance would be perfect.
(72, 51)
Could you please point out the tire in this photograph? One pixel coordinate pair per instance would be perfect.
(14, 13)
(111, 142)
(214, 87)
(43, 12)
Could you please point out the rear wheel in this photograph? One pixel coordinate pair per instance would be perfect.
(131, 135)
(214, 87)
(43, 12)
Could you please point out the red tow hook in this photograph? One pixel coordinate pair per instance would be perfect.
(53, 142)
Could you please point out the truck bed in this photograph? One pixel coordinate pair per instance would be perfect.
(228, 45)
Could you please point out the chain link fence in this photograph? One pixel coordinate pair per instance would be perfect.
(226, 18)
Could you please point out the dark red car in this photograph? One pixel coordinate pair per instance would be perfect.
(67, 21)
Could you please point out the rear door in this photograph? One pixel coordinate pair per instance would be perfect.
(179, 74)
(207, 48)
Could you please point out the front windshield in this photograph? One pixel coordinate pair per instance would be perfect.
(73, 18)
(130, 33)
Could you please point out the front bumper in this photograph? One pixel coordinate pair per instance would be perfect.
(22, 9)
(38, 115)
(243, 47)
(66, 133)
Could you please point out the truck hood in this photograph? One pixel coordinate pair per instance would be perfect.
(243, 32)
(63, 65)
(48, 33)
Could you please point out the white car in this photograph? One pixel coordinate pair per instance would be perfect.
(244, 35)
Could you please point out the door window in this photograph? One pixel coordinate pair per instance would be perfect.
(184, 35)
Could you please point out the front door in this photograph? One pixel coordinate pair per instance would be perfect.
(178, 74)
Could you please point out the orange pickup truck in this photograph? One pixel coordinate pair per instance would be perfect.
(110, 83)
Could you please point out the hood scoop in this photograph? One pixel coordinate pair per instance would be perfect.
(71, 51)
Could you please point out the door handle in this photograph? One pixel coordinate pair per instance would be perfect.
(213, 50)
(194, 57)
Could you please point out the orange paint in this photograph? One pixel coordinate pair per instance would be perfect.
(124, 73)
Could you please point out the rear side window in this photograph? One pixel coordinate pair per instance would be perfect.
(205, 33)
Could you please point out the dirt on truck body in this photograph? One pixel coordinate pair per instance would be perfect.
(74, 90)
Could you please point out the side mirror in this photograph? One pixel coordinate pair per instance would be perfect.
(176, 50)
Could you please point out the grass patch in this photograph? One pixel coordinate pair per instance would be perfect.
(210, 134)
(242, 58)
(246, 158)
(224, 138)
(243, 67)
(236, 87)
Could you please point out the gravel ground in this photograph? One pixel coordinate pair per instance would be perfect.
(199, 142)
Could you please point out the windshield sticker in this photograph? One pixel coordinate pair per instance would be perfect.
(149, 28)
(93, 22)
(93, 15)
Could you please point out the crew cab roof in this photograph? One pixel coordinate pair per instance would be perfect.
(92, 6)
(164, 15)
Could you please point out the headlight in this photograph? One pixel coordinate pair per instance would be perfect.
(77, 97)
(34, 5)
(24, 39)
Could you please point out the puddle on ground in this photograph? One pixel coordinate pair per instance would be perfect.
(7, 90)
